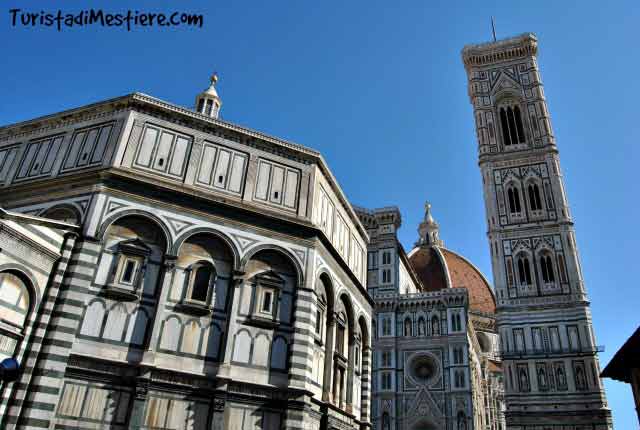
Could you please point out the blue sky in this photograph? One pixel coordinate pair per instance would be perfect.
(379, 88)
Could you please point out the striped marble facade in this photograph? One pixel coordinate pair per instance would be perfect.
(174, 271)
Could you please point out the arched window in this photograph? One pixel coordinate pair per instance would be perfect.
(407, 326)
(524, 270)
(512, 129)
(514, 200)
(534, 197)
(201, 282)
(435, 326)
(14, 306)
(546, 267)
(422, 327)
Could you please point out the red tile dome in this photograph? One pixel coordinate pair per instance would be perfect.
(439, 268)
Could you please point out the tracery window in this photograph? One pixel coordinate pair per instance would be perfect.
(546, 267)
(524, 270)
(512, 129)
(514, 201)
(386, 326)
(534, 197)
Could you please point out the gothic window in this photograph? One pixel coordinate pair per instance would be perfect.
(386, 381)
(514, 200)
(435, 326)
(386, 276)
(385, 360)
(386, 257)
(422, 328)
(457, 356)
(407, 326)
(459, 379)
(386, 326)
(534, 197)
(524, 270)
(512, 129)
(546, 267)
(14, 306)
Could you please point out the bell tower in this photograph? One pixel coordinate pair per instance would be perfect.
(548, 347)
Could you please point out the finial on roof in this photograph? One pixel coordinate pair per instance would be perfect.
(428, 229)
(208, 102)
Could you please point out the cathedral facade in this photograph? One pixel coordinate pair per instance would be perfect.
(436, 362)
(163, 269)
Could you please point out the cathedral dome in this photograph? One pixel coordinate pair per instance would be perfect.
(439, 268)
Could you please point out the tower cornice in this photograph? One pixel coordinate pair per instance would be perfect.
(482, 54)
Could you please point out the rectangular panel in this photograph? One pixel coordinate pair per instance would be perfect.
(95, 403)
(277, 182)
(161, 157)
(6, 161)
(72, 154)
(262, 187)
(291, 191)
(27, 160)
(146, 147)
(87, 148)
(179, 156)
(222, 166)
(72, 398)
(51, 155)
(43, 148)
(98, 153)
(206, 164)
(237, 173)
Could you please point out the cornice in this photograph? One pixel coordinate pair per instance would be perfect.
(482, 54)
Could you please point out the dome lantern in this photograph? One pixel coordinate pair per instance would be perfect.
(428, 230)
(208, 102)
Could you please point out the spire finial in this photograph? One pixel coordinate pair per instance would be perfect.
(428, 229)
(214, 78)
(493, 29)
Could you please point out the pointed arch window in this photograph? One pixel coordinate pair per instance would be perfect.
(512, 128)
(534, 197)
(546, 267)
(514, 200)
(524, 270)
